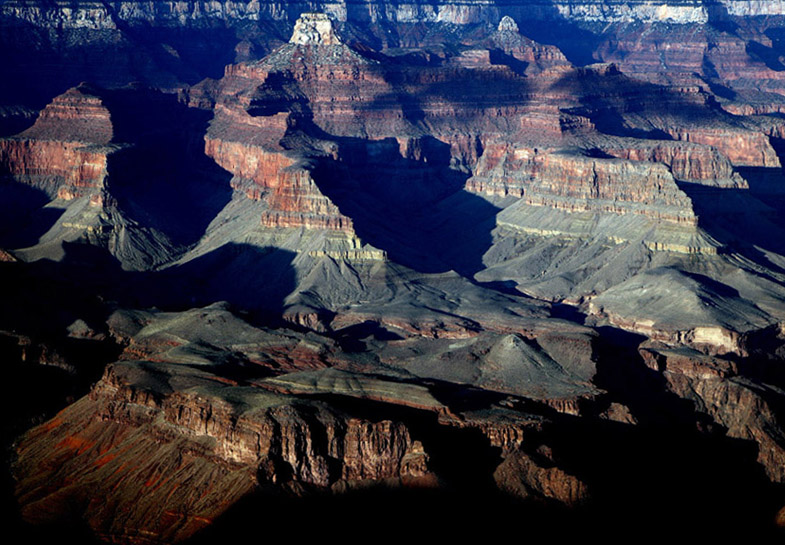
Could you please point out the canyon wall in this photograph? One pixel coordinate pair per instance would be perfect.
(95, 15)
(115, 435)
(65, 153)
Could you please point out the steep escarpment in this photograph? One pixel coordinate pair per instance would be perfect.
(743, 148)
(720, 389)
(284, 182)
(247, 136)
(157, 451)
(688, 162)
(65, 152)
(224, 446)
(575, 182)
(78, 170)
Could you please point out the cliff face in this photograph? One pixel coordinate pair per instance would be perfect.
(360, 114)
(195, 39)
(745, 148)
(284, 184)
(720, 389)
(157, 452)
(509, 39)
(575, 182)
(95, 15)
(326, 136)
(341, 111)
(249, 147)
(65, 153)
(223, 447)
(688, 162)
(703, 55)
(63, 169)
(78, 115)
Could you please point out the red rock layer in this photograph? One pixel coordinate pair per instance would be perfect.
(65, 152)
(288, 188)
(687, 161)
(336, 81)
(339, 98)
(147, 465)
(350, 96)
(537, 56)
(78, 115)
(256, 170)
(677, 54)
(756, 107)
(62, 169)
(576, 182)
(249, 146)
(741, 147)
(618, 104)
(519, 474)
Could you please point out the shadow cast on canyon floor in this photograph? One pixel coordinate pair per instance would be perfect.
(24, 217)
(88, 283)
(164, 181)
(160, 178)
(250, 278)
(746, 222)
(674, 469)
(404, 197)
(415, 210)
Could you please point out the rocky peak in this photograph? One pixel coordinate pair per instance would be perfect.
(78, 115)
(314, 29)
(508, 24)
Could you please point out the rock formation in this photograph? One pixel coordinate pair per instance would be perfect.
(314, 29)
(529, 254)
(65, 152)
(221, 445)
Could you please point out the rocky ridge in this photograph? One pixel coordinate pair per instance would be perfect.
(94, 15)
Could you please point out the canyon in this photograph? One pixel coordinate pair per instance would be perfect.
(357, 263)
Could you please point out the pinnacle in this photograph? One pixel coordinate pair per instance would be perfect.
(314, 29)
(508, 24)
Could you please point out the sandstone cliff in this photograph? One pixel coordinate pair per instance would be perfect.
(226, 446)
(65, 153)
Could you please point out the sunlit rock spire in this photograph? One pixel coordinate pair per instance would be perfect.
(508, 24)
(314, 29)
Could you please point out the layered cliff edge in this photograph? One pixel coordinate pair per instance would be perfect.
(193, 40)
(95, 15)
(165, 447)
